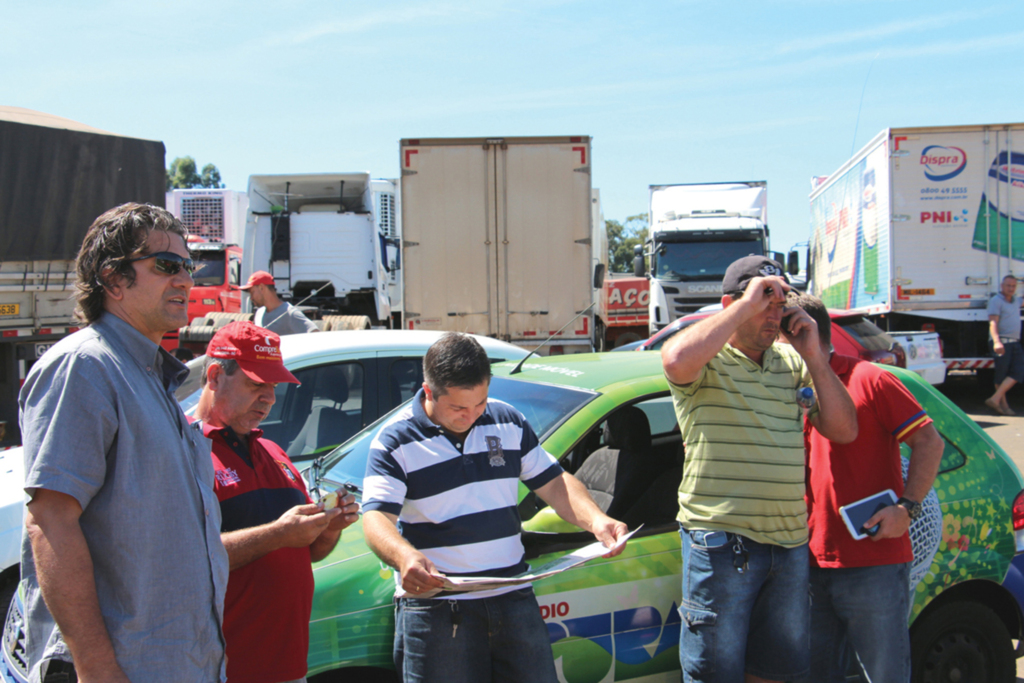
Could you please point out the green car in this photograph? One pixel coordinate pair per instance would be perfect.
(616, 619)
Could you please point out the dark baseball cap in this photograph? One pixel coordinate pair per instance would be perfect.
(742, 271)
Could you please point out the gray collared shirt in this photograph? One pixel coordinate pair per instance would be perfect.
(100, 424)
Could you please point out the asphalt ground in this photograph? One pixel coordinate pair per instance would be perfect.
(1007, 431)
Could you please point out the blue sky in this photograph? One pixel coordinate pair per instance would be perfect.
(672, 92)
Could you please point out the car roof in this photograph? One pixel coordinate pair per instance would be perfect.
(296, 347)
(594, 371)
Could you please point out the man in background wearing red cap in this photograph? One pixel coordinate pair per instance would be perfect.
(271, 529)
(273, 313)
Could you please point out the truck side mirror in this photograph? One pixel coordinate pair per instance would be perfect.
(599, 276)
(778, 257)
(793, 262)
(639, 268)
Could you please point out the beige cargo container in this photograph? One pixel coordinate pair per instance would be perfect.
(497, 238)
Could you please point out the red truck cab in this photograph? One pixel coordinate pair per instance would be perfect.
(216, 282)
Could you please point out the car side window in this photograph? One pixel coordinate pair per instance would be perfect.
(630, 462)
(405, 377)
(952, 457)
(320, 413)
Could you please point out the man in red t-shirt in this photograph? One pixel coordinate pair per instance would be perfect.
(860, 589)
(271, 529)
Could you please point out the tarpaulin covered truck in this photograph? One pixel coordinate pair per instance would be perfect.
(56, 177)
(918, 228)
(496, 238)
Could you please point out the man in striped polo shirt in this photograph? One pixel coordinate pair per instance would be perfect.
(448, 468)
(860, 590)
(742, 514)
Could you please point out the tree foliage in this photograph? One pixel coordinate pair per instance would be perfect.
(182, 175)
(622, 237)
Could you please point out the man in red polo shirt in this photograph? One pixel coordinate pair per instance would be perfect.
(860, 589)
(271, 529)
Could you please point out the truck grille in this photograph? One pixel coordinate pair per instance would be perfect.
(686, 305)
(14, 640)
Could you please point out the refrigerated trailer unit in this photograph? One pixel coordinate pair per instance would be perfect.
(496, 238)
(918, 228)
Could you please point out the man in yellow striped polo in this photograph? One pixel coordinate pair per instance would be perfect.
(742, 515)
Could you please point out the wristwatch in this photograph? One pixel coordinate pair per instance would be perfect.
(912, 507)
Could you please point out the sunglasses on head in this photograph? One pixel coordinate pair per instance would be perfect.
(168, 262)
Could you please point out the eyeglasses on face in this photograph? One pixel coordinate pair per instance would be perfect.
(169, 263)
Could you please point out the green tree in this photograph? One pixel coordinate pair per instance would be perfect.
(622, 237)
(211, 177)
(182, 175)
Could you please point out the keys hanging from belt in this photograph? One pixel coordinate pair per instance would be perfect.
(740, 555)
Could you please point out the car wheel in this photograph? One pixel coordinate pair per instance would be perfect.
(960, 642)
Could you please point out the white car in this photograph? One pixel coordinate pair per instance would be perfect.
(349, 379)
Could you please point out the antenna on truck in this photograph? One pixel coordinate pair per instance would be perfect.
(519, 367)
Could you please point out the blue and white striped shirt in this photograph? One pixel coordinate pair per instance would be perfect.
(457, 503)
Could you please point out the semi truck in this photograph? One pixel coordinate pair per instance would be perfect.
(917, 229)
(56, 177)
(696, 231)
(320, 237)
(497, 239)
(627, 302)
(215, 220)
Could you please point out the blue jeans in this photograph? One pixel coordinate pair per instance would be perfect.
(755, 621)
(499, 639)
(860, 612)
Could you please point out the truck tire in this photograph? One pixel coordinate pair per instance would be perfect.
(221, 319)
(627, 338)
(961, 641)
(600, 342)
(347, 322)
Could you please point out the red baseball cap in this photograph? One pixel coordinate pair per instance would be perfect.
(260, 277)
(256, 350)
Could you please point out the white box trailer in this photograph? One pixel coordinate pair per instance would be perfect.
(496, 238)
(918, 229)
(319, 232)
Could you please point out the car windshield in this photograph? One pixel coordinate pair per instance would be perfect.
(210, 268)
(698, 260)
(545, 407)
(866, 333)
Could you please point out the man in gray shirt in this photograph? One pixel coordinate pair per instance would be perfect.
(273, 313)
(1004, 329)
(123, 528)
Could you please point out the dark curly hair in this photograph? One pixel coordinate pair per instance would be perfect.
(116, 236)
